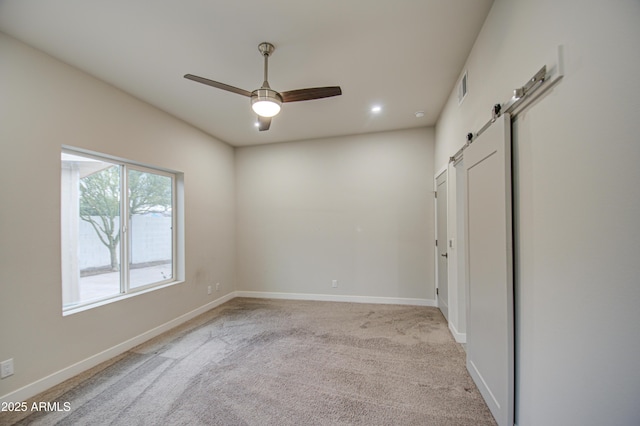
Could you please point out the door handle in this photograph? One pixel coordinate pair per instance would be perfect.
(444, 255)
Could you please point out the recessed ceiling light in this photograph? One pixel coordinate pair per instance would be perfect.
(376, 108)
(419, 114)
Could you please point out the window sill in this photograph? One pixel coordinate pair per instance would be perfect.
(82, 308)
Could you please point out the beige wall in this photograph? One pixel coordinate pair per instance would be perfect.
(358, 209)
(45, 104)
(577, 201)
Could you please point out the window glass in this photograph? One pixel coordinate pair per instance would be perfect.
(150, 228)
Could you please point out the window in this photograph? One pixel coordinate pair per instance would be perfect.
(103, 256)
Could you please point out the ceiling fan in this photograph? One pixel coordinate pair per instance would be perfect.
(265, 101)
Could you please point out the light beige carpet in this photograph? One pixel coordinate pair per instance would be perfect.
(274, 362)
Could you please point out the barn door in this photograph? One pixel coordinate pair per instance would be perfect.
(489, 268)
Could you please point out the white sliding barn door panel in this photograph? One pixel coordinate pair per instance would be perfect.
(489, 268)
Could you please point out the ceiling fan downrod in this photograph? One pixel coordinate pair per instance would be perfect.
(266, 49)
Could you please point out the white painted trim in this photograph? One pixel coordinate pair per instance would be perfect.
(440, 171)
(337, 298)
(66, 373)
(119, 297)
(460, 337)
(444, 169)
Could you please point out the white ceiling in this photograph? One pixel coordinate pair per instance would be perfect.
(404, 55)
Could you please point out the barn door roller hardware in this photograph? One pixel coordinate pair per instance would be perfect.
(521, 95)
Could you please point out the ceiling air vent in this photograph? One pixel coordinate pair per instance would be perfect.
(462, 88)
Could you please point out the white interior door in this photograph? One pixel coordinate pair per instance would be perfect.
(489, 268)
(441, 249)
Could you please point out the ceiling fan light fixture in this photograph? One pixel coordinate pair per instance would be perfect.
(266, 102)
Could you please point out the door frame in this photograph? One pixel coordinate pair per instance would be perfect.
(456, 286)
(443, 169)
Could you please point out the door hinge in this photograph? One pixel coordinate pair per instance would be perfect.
(435, 194)
(436, 243)
(437, 291)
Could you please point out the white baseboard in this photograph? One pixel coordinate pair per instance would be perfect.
(460, 337)
(58, 377)
(337, 298)
(66, 373)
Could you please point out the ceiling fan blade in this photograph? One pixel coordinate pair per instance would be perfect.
(310, 94)
(264, 123)
(218, 85)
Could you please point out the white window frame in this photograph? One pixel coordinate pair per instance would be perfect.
(177, 244)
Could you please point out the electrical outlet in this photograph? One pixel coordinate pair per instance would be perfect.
(6, 368)
(209, 290)
(217, 286)
(334, 283)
